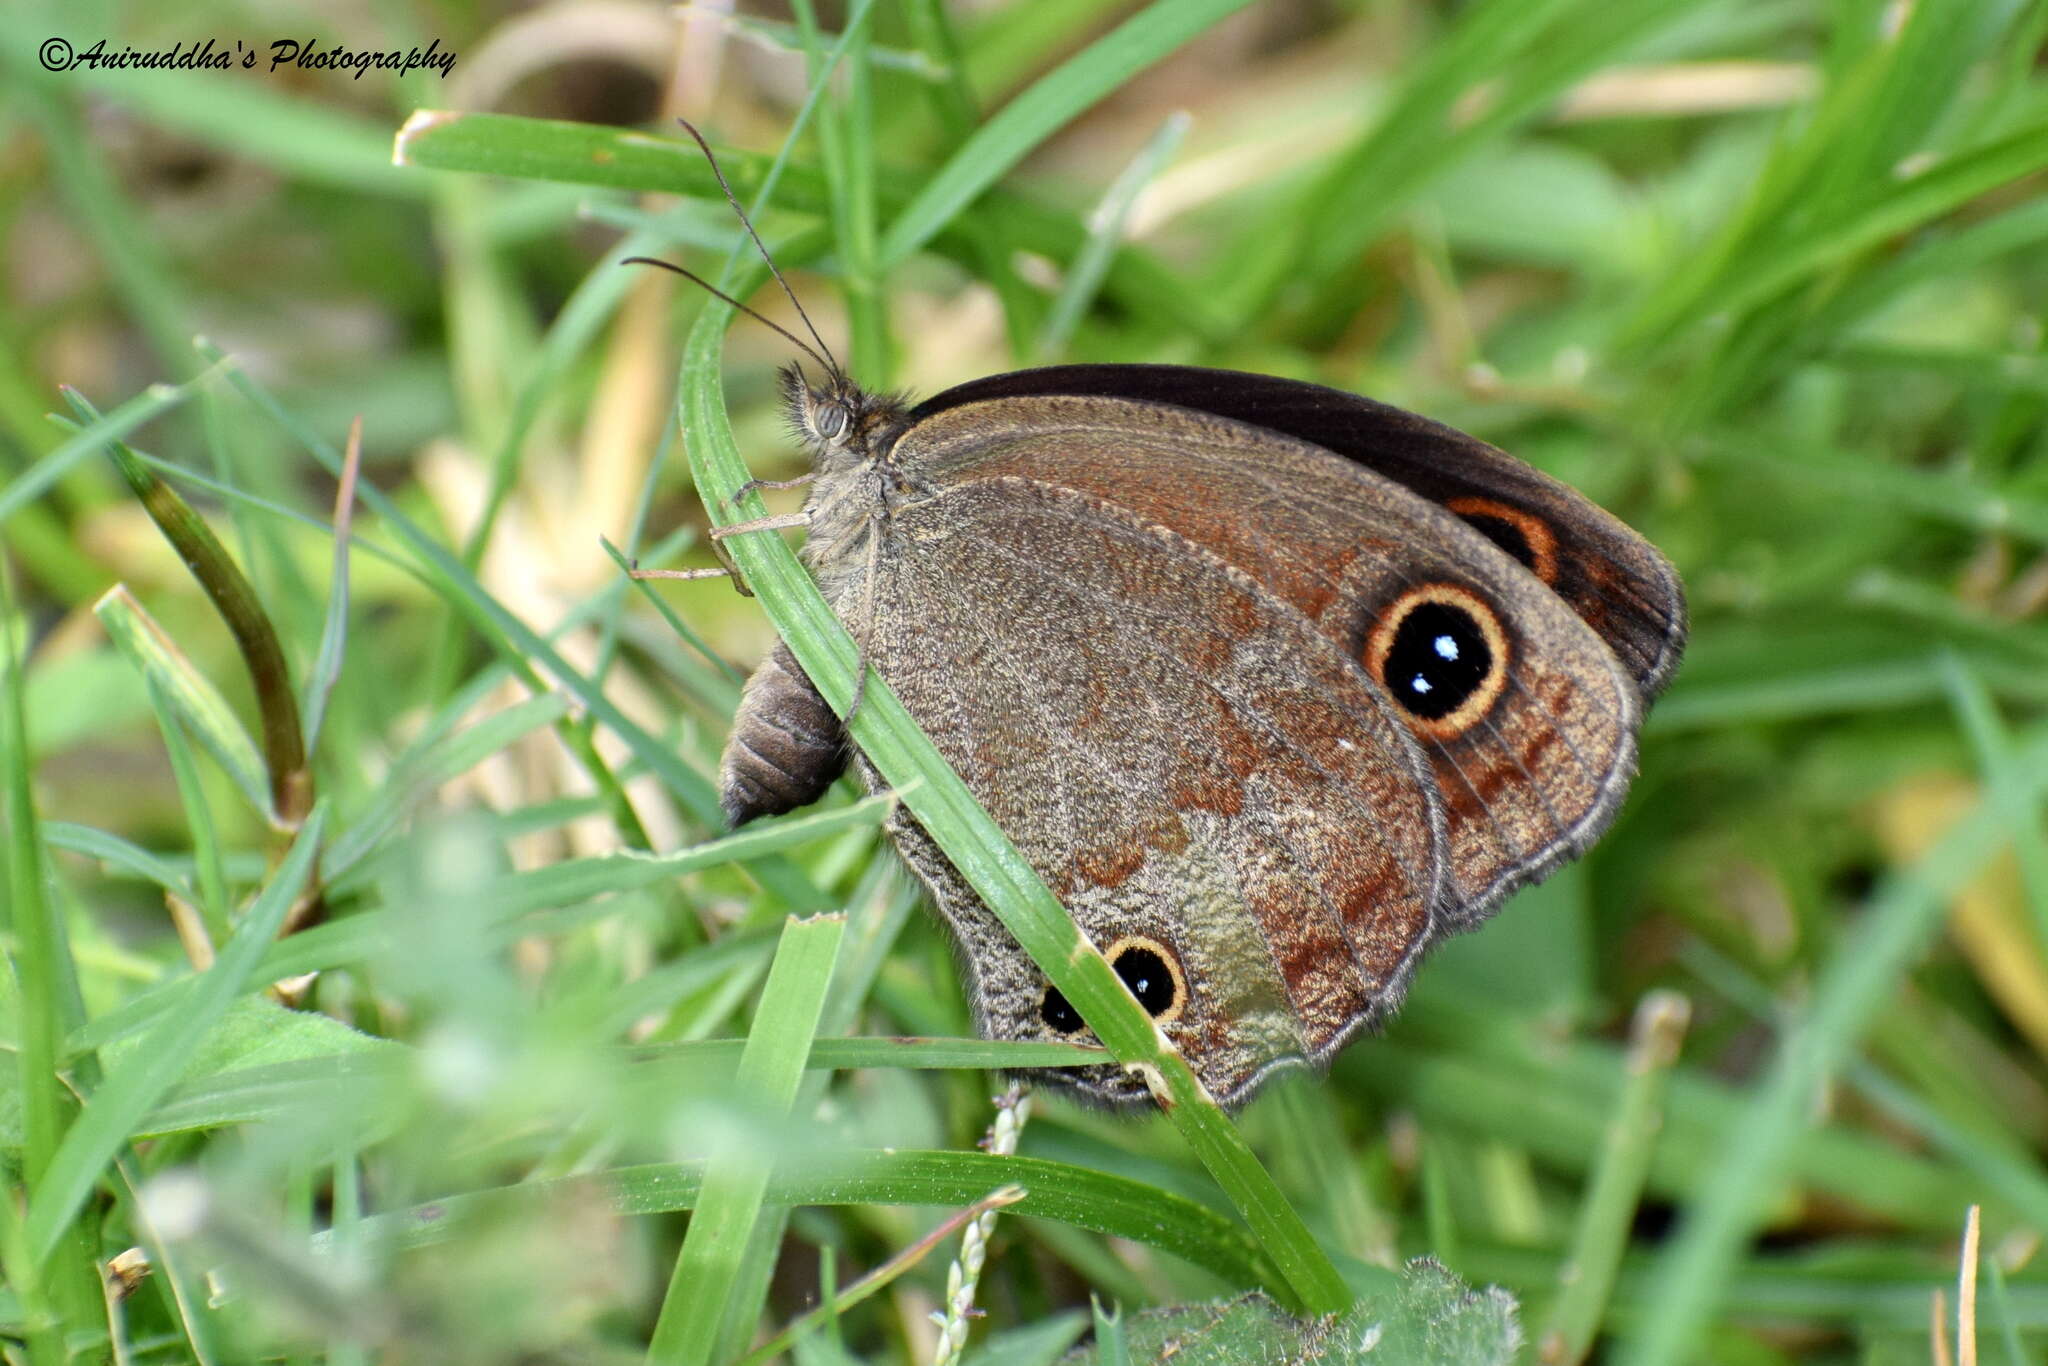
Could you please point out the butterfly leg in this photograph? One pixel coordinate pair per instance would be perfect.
(727, 570)
(863, 645)
(753, 484)
(775, 522)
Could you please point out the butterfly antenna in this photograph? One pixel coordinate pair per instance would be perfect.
(718, 293)
(827, 360)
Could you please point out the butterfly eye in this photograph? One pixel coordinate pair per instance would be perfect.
(1442, 654)
(831, 421)
(1526, 537)
(1153, 974)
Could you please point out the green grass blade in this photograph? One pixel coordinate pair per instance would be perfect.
(1693, 1274)
(1098, 1201)
(208, 862)
(846, 142)
(1502, 62)
(1031, 117)
(1947, 186)
(952, 97)
(731, 679)
(1112, 1348)
(585, 154)
(1088, 268)
(528, 653)
(109, 1118)
(278, 1091)
(117, 853)
(189, 693)
(1557, 1102)
(326, 670)
(1992, 742)
(841, 1054)
(2001, 1304)
(735, 1182)
(432, 761)
(38, 479)
(1607, 1212)
(234, 597)
(47, 1005)
(364, 1083)
(358, 938)
(588, 154)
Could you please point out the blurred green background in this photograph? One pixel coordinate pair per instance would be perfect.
(1766, 279)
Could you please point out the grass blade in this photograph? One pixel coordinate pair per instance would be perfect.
(1035, 115)
(33, 482)
(357, 939)
(735, 1183)
(1101, 1202)
(1994, 749)
(209, 865)
(111, 1115)
(1105, 228)
(186, 690)
(521, 644)
(47, 1006)
(1607, 1212)
(1694, 1273)
(334, 635)
(234, 597)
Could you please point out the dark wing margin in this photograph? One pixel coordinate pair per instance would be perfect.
(1613, 578)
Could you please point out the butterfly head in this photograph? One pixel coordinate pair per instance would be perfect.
(842, 424)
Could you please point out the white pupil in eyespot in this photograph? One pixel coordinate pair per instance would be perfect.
(1446, 648)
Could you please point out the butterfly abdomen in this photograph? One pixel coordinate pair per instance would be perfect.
(786, 746)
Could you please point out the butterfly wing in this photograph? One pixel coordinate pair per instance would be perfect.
(1152, 643)
(1190, 769)
(1612, 577)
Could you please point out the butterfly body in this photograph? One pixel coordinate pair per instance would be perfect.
(1272, 685)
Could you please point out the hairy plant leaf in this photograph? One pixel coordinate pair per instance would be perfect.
(1430, 1318)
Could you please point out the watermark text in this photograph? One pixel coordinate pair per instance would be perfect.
(210, 54)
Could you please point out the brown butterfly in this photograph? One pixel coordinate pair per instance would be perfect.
(1272, 684)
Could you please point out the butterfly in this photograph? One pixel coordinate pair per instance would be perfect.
(1274, 685)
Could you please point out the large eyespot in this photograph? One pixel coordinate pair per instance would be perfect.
(1058, 1014)
(1523, 535)
(1152, 972)
(1441, 652)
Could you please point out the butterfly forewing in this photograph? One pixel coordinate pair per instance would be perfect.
(1613, 578)
(1531, 764)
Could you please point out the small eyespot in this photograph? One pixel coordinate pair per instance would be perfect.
(1153, 974)
(1521, 534)
(1441, 652)
(1058, 1015)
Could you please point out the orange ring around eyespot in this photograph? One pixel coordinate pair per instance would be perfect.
(1173, 970)
(1535, 532)
(1380, 643)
